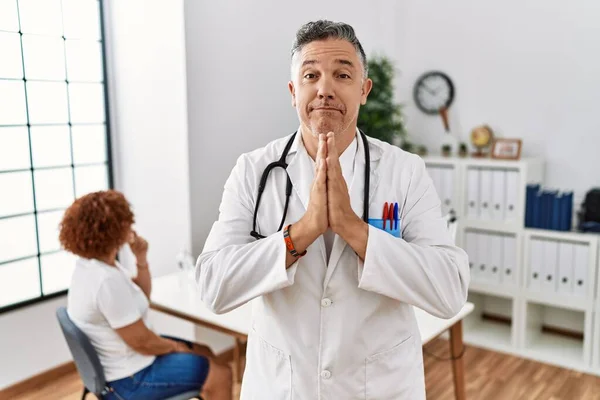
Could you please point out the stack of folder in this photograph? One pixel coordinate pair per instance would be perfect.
(548, 209)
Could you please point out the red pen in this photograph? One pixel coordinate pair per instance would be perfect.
(385, 214)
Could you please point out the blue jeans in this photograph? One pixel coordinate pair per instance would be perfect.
(168, 375)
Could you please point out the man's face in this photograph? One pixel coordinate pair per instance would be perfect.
(327, 86)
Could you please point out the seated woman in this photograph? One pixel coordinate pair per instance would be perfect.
(111, 308)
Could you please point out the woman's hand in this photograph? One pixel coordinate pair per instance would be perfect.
(181, 347)
(139, 247)
(203, 350)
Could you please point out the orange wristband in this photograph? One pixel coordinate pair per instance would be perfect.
(289, 244)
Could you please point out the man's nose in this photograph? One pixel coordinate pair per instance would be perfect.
(326, 90)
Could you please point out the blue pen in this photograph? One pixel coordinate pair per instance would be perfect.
(395, 215)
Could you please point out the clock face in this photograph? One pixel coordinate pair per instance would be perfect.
(433, 91)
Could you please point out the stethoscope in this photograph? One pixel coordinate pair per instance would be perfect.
(288, 188)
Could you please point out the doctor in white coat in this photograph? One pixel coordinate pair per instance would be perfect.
(332, 295)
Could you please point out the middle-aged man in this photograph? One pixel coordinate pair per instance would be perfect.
(333, 289)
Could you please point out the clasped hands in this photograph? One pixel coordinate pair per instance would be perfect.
(329, 205)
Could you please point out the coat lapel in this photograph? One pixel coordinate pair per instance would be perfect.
(356, 192)
(300, 169)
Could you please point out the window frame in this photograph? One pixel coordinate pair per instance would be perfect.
(109, 160)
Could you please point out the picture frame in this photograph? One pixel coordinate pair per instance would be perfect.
(507, 149)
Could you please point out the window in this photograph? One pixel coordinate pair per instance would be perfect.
(54, 138)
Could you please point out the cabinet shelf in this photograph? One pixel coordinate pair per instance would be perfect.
(494, 289)
(556, 350)
(491, 225)
(552, 299)
(489, 334)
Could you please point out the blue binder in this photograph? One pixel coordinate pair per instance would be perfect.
(566, 211)
(530, 203)
(555, 222)
(546, 208)
(536, 220)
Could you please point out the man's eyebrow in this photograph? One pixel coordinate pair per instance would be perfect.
(342, 61)
(345, 62)
(309, 62)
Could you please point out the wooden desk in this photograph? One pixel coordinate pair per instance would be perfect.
(177, 295)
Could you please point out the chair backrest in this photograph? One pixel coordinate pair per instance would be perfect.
(85, 356)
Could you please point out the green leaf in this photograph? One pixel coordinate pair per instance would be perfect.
(381, 117)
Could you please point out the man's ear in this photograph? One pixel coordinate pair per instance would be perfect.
(366, 89)
(292, 90)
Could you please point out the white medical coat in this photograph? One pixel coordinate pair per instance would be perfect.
(346, 329)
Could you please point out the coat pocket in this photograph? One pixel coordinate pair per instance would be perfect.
(268, 373)
(391, 374)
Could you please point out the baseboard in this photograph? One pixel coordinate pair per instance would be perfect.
(37, 380)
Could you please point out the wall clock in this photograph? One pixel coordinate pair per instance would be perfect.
(433, 92)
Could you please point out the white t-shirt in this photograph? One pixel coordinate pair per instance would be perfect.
(101, 299)
(347, 159)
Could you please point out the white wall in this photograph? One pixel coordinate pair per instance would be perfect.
(238, 58)
(147, 50)
(31, 342)
(527, 68)
(150, 133)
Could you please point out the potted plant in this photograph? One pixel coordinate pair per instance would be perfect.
(446, 150)
(422, 150)
(463, 150)
(381, 117)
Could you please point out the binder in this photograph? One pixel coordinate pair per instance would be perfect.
(509, 261)
(546, 209)
(473, 175)
(485, 194)
(536, 247)
(550, 211)
(549, 266)
(580, 273)
(565, 267)
(496, 252)
(483, 256)
(569, 214)
(447, 178)
(566, 211)
(531, 191)
(537, 210)
(512, 194)
(471, 249)
(498, 194)
(556, 212)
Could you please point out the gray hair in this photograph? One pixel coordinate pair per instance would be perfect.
(323, 29)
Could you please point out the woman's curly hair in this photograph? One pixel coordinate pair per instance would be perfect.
(96, 224)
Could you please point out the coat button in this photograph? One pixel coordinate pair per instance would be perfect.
(326, 302)
(325, 374)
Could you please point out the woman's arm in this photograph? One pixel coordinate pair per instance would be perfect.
(143, 279)
(144, 341)
(139, 247)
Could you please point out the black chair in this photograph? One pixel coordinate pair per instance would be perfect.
(87, 362)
